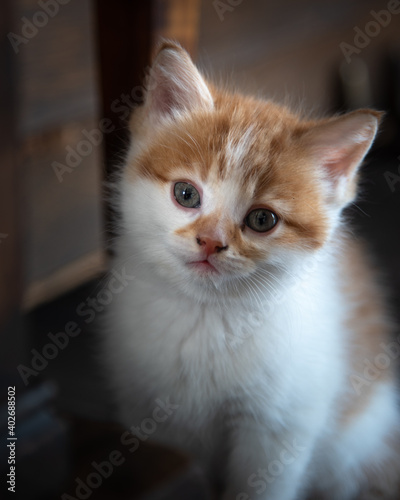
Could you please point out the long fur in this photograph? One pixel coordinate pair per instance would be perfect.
(269, 360)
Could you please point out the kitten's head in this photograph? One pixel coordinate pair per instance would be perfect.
(221, 189)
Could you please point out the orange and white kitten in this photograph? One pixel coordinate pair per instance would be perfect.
(252, 318)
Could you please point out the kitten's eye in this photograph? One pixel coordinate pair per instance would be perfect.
(186, 195)
(261, 220)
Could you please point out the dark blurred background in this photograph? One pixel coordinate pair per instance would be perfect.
(70, 72)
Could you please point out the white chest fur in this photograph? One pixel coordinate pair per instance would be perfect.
(272, 357)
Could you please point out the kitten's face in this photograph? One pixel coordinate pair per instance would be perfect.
(231, 189)
(226, 196)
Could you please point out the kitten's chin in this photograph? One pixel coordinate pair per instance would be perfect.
(208, 282)
(203, 267)
(202, 279)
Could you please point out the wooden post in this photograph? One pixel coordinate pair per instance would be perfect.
(127, 32)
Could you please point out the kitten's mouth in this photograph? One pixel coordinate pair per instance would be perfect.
(203, 266)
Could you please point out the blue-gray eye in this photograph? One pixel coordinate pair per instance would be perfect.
(261, 220)
(187, 195)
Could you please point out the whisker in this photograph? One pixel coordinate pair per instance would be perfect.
(265, 282)
(252, 291)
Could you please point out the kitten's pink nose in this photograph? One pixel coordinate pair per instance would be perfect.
(209, 245)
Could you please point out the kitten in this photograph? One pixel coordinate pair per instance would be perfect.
(252, 327)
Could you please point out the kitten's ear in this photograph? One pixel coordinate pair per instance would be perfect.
(338, 146)
(174, 84)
